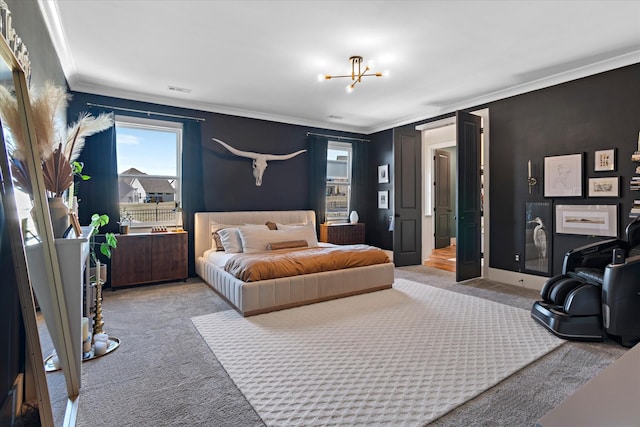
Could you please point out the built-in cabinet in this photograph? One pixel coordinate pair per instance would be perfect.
(148, 258)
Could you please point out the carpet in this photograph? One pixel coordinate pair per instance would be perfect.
(403, 356)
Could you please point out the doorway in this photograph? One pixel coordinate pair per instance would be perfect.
(437, 137)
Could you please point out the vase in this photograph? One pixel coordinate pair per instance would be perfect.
(353, 217)
(59, 212)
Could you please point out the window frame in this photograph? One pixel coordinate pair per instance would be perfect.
(348, 147)
(173, 127)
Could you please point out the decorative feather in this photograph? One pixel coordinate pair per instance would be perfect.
(85, 126)
(57, 146)
(46, 107)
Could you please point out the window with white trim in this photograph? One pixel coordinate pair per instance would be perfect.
(149, 156)
(338, 200)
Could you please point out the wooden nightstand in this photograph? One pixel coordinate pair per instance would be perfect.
(342, 234)
(149, 257)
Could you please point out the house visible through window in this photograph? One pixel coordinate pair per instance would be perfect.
(149, 171)
(338, 181)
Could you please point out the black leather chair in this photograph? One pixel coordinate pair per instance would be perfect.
(598, 292)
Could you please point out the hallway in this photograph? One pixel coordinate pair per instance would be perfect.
(443, 259)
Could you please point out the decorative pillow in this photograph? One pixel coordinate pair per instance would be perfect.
(257, 240)
(216, 242)
(309, 228)
(230, 240)
(271, 225)
(287, 245)
(285, 226)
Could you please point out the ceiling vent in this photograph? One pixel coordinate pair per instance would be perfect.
(179, 89)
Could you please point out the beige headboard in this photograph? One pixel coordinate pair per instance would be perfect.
(203, 221)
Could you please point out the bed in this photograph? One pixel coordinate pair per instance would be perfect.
(261, 296)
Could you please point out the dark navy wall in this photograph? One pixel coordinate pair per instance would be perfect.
(378, 233)
(594, 113)
(228, 179)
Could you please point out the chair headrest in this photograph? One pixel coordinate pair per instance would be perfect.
(633, 232)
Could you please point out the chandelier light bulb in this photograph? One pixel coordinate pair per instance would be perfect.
(357, 72)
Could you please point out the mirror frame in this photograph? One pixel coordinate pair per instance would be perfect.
(69, 355)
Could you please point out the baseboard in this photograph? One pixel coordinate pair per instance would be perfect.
(528, 281)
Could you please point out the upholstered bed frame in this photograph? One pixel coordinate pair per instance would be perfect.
(275, 294)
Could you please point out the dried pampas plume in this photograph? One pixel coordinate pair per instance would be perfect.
(57, 146)
(46, 108)
(10, 116)
(85, 126)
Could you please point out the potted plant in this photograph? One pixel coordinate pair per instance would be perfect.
(110, 242)
(99, 274)
(125, 221)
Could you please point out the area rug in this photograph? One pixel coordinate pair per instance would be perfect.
(402, 356)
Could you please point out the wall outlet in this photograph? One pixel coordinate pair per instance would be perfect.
(517, 257)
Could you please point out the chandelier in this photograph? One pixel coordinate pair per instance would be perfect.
(357, 72)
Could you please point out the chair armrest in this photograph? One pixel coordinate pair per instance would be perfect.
(579, 257)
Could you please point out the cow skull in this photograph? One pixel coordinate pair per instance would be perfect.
(259, 160)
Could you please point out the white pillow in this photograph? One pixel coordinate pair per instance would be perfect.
(214, 228)
(257, 240)
(230, 240)
(309, 228)
(230, 237)
(284, 226)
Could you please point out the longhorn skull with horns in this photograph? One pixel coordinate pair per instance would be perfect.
(259, 160)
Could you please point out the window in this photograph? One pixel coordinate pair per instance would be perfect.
(338, 181)
(149, 171)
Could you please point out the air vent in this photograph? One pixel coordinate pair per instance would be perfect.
(336, 117)
(179, 89)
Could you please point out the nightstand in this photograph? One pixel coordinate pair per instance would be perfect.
(342, 234)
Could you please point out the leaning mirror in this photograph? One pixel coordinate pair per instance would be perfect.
(34, 261)
(15, 274)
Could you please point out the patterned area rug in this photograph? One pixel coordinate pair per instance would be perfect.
(403, 356)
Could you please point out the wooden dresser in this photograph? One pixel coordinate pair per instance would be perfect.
(149, 257)
(342, 234)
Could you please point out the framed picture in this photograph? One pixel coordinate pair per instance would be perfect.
(383, 199)
(605, 160)
(588, 220)
(604, 187)
(563, 176)
(383, 174)
(537, 239)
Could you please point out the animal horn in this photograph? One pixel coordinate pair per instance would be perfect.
(237, 152)
(283, 156)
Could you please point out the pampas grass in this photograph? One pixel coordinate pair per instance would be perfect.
(46, 108)
(11, 118)
(85, 126)
(57, 146)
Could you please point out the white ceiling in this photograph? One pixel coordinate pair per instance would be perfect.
(261, 58)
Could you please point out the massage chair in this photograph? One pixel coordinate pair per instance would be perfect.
(598, 293)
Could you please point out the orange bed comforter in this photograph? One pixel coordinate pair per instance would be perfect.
(293, 262)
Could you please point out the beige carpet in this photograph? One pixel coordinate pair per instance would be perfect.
(403, 356)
